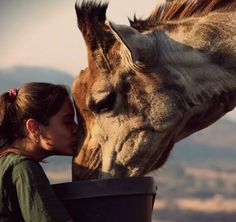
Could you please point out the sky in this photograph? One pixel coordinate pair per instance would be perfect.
(45, 33)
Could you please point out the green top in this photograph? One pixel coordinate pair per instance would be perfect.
(26, 194)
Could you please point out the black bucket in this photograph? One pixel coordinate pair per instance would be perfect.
(109, 200)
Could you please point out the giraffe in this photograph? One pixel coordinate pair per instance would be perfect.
(151, 84)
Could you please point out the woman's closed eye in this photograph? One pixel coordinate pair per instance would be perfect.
(69, 120)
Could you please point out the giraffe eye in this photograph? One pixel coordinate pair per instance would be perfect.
(105, 104)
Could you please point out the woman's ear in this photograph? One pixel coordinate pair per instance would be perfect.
(33, 129)
(32, 126)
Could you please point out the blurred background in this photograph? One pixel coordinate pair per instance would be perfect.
(40, 41)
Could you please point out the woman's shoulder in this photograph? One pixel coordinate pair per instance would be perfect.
(19, 162)
(26, 168)
(15, 159)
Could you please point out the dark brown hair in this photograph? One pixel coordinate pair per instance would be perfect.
(36, 100)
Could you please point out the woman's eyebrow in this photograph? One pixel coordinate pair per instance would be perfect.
(68, 115)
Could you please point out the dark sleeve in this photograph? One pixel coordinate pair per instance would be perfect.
(37, 200)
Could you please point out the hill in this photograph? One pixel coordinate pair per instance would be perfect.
(198, 181)
(18, 75)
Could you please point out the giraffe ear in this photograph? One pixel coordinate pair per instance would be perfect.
(135, 42)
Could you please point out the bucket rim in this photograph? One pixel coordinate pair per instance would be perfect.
(105, 187)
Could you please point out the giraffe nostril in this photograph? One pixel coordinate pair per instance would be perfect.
(105, 104)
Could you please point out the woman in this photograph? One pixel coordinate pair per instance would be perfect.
(36, 121)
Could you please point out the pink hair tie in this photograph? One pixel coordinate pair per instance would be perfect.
(12, 93)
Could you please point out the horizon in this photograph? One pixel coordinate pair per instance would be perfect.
(231, 116)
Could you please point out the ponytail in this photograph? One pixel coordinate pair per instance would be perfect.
(8, 116)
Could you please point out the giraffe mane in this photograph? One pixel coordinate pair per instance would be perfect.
(182, 9)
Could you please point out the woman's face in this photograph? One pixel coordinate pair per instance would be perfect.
(60, 135)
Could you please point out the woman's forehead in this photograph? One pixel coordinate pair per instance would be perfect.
(66, 108)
